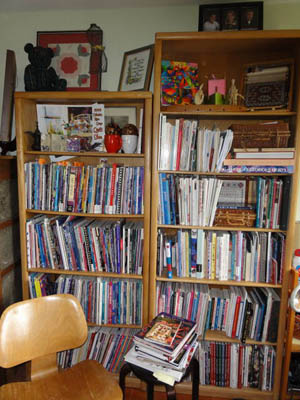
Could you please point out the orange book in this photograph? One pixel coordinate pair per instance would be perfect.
(260, 161)
(236, 316)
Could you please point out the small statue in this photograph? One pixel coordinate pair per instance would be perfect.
(37, 138)
(233, 94)
(199, 96)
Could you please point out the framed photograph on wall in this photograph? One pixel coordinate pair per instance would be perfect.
(231, 16)
(136, 69)
(74, 57)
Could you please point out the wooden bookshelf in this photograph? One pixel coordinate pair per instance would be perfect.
(26, 117)
(226, 54)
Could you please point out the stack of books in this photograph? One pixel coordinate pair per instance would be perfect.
(165, 347)
(271, 160)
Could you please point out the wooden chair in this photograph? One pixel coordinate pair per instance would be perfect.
(35, 330)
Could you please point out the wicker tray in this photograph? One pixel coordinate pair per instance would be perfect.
(229, 217)
(260, 135)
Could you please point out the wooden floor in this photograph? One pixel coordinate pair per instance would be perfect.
(135, 394)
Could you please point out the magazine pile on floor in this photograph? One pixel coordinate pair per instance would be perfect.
(165, 347)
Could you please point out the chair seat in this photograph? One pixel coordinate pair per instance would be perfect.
(85, 381)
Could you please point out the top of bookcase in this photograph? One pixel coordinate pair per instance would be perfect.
(73, 97)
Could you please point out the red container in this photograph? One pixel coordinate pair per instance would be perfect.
(113, 143)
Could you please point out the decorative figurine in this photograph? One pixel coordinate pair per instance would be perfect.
(199, 96)
(37, 138)
(38, 76)
(129, 138)
(233, 94)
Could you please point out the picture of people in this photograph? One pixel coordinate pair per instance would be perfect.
(249, 18)
(230, 19)
(231, 16)
(211, 20)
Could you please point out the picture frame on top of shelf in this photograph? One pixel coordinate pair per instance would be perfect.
(137, 69)
(74, 58)
(231, 16)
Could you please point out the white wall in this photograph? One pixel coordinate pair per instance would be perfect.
(124, 29)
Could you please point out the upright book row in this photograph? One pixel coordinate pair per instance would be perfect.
(82, 244)
(221, 255)
(104, 300)
(186, 200)
(238, 312)
(237, 366)
(186, 146)
(88, 189)
(105, 345)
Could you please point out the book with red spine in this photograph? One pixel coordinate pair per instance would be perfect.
(236, 316)
(179, 143)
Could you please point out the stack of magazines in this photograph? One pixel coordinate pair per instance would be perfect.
(165, 347)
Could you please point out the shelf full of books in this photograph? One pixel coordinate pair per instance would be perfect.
(224, 182)
(85, 211)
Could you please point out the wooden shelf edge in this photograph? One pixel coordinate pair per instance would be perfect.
(85, 273)
(222, 173)
(82, 214)
(218, 282)
(84, 154)
(220, 228)
(217, 336)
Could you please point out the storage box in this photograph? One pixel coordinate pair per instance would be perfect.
(260, 135)
(235, 218)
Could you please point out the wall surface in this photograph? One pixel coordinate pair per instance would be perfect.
(124, 29)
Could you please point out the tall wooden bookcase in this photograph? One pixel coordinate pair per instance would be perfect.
(225, 54)
(26, 117)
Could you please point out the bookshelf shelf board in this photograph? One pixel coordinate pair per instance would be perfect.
(218, 336)
(84, 154)
(222, 111)
(86, 215)
(84, 273)
(218, 282)
(115, 325)
(219, 228)
(219, 173)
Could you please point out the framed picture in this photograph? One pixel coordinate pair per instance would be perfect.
(231, 16)
(120, 115)
(136, 69)
(74, 58)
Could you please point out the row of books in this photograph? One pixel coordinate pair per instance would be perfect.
(194, 200)
(272, 202)
(238, 312)
(104, 300)
(89, 189)
(236, 255)
(237, 366)
(82, 244)
(185, 146)
(258, 169)
(188, 200)
(165, 347)
(105, 345)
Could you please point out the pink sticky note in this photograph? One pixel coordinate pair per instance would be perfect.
(220, 84)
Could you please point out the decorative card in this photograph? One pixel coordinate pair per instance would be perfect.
(179, 82)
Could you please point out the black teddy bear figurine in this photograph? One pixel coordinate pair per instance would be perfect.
(38, 76)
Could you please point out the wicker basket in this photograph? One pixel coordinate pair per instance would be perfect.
(229, 217)
(260, 135)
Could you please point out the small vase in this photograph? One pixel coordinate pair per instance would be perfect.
(112, 143)
(129, 143)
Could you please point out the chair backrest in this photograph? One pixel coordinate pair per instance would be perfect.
(34, 328)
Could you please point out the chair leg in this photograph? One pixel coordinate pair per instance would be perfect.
(125, 370)
(171, 393)
(149, 391)
(195, 378)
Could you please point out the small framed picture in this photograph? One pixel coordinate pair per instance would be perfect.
(211, 19)
(136, 69)
(231, 16)
(252, 16)
(230, 19)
